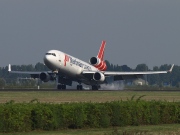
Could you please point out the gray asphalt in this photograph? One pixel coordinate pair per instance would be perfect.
(168, 90)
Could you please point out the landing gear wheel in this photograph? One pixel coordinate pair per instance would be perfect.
(64, 86)
(61, 86)
(79, 87)
(95, 87)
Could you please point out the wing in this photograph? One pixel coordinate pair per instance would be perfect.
(126, 75)
(33, 74)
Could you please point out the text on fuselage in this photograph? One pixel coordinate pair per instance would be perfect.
(76, 62)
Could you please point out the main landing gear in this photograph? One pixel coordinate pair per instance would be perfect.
(61, 86)
(79, 87)
(62, 82)
(95, 87)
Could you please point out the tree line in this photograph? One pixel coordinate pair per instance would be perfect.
(172, 79)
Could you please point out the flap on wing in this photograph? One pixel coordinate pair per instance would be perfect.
(109, 73)
(127, 77)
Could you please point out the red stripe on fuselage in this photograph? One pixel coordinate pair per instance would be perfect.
(66, 59)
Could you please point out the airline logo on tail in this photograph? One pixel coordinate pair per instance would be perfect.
(102, 66)
(101, 51)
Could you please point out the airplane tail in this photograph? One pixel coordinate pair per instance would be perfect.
(98, 61)
(101, 51)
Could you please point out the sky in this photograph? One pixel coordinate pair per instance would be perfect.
(136, 31)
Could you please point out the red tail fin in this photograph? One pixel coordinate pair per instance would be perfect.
(101, 51)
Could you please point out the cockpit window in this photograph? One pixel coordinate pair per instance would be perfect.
(51, 54)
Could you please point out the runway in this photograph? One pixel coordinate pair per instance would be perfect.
(158, 90)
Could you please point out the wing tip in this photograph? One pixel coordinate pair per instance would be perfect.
(9, 68)
(171, 68)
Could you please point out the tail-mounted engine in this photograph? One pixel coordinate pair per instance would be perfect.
(96, 62)
(98, 76)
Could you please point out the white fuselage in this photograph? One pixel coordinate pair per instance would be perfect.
(66, 64)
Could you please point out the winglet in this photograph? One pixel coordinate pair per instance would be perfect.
(9, 68)
(171, 68)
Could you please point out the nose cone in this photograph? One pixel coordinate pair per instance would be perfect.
(49, 62)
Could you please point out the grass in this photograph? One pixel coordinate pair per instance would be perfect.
(85, 96)
(95, 96)
(131, 130)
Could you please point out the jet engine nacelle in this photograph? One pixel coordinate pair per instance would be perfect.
(45, 77)
(98, 76)
(96, 62)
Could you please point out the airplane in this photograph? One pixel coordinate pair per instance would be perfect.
(65, 69)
